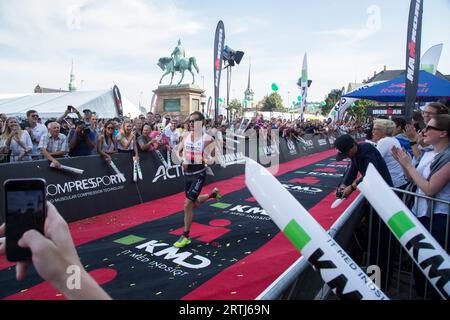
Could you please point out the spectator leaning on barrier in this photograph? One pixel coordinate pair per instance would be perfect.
(36, 131)
(107, 143)
(361, 155)
(145, 141)
(17, 141)
(432, 177)
(126, 139)
(52, 254)
(161, 140)
(81, 140)
(382, 135)
(4, 151)
(54, 144)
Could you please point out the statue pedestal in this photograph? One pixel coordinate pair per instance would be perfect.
(178, 100)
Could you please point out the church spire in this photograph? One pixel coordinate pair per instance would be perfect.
(72, 86)
(249, 92)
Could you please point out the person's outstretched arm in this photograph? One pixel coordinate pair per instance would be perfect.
(52, 255)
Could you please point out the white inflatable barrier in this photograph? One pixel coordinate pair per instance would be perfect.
(414, 237)
(68, 169)
(337, 269)
(116, 170)
(137, 173)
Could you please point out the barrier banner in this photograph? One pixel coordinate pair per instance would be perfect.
(98, 190)
(321, 142)
(426, 252)
(289, 150)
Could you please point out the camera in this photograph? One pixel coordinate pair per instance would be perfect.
(339, 194)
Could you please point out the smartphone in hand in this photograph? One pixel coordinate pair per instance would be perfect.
(25, 208)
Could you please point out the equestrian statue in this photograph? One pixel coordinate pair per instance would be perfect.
(177, 62)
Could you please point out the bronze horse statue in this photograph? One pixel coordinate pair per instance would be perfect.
(167, 65)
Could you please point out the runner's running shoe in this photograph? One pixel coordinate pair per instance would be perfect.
(216, 192)
(182, 242)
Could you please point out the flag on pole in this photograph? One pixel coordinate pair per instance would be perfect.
(413, 55)
(304, 87)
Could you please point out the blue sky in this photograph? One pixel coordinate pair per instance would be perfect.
(120, 41)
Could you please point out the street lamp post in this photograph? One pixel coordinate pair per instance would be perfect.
(203, 101)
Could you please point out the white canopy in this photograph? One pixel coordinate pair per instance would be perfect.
(54, 104)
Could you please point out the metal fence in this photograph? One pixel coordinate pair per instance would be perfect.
(401, 278)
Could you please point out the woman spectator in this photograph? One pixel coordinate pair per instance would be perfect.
(160, 138)
(126, 139)
(382, 135)
(4, 151)
(432, 178)
(18, 141)
(107, 144)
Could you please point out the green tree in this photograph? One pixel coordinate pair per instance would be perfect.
(331, 99)
(273, 102)
(236, 106)
(358, 110)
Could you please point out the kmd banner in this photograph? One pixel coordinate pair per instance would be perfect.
(413, 42)
(219, 40)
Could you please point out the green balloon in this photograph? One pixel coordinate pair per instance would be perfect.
(220, 100)
(299, 98)
(293, 102)
(274, 87)
(324, 103)
(353, 105)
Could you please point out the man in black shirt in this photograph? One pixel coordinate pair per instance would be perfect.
(361, 155)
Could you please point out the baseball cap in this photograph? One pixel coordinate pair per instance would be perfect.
(87, 110)
(343, 144)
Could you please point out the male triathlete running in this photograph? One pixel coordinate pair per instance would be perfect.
(195, 153)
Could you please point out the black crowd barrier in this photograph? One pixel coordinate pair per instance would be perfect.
(99, 190)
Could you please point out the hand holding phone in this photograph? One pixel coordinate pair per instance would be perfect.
(25, 209)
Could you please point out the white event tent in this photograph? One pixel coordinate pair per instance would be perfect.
(55, 104)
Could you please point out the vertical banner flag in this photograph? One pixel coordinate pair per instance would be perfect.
(304, 87)
(208, 107)
(337, 269)
(153, 103)
(342, 101)
(430, 59)
(219, 41)
(118, 100)
(425, 251)
(413, 55)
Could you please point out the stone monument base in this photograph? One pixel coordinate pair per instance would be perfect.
(178, 100)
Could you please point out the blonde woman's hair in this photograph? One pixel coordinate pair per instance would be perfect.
(6, 130)
(385, 125)
(124, 124)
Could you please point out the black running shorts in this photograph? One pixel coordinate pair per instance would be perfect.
(194, 184)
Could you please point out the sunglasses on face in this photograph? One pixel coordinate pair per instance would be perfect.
(193, 121)
(35, 116)
(109, 128)
(432, 128)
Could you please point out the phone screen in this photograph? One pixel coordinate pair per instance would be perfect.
(25, 209)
